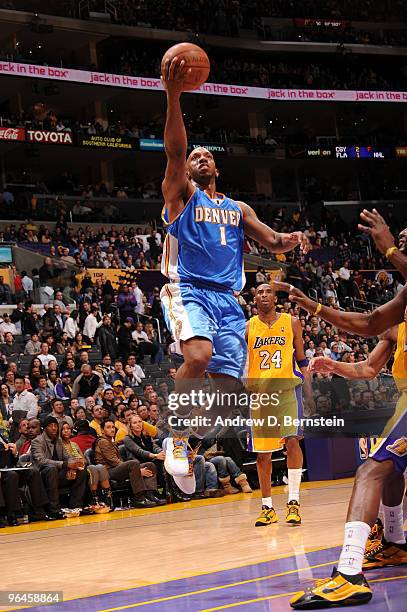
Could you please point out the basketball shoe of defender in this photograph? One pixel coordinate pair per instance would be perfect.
(337, 591)
(293, 516)
(266, 517)
(386, 554)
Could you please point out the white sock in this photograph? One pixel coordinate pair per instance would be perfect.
(353, 550)
(267, 501)
(381, 513)
(294, 481)
(405, 508)
(393, 524)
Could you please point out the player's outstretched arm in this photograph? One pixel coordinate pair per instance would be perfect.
(378, 229)
(176, 187)
(367, 325)
(276, 242)
(366, 370)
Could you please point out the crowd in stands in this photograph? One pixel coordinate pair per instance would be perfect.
(225, 17)
(87, 374)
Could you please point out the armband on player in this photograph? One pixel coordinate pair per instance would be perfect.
(303, 363)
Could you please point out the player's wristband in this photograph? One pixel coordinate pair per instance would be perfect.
(390, 251)
(317, 310)
(303, 363)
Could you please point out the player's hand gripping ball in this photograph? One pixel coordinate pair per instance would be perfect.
(191, 66)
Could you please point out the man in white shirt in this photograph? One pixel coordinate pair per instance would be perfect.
(44, 356)
(138, 372)
(91, 325)
(27, 283)
(138, 294)
(139, 335)
(344, 272)
(7, 326)
(24, 400)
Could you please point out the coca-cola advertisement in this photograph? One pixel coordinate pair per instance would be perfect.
(11, 133)
(46, 137)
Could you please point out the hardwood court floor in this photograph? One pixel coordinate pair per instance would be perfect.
(187, 546)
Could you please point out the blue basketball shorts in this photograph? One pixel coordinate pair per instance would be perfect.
(192, 311)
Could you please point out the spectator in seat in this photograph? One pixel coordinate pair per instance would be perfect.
(56, 468)
(142, 479)
(10, 349)
(108, 400)
(141, 446)
(63, 388)
(124, 337)
(29, 322)
(10, 482)
(83, 434)
(33, 430)
(79, 414)
(58, 411)
(226, 469)
(6, 407)
(118, 373)
(144, 345)
(107, 367)
(118, 390)
(23, 432)
(136, 369)
(126, 302)
(97, 419)
(88, 383)
(98, 474)
(153, 414)
(24, 400)
(5, 292)
(33, 346)
(71, 326)
(107, 338)
(44, 394)
(44, 356)
(6, 326)
(91, 325)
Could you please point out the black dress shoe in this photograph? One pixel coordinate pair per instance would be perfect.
(56, 515)
(12, 521)
(199, 495)
(38, 516)
(151, 497)
(2, 523)
(143, 503)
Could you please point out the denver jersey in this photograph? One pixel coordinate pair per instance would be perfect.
(399, 369)
(204, 244)
(271, 350)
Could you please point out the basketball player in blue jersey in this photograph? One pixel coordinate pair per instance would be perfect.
(203, 260)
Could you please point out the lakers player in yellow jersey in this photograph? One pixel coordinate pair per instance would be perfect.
(276, 365)
(392, 549)
(381, 475)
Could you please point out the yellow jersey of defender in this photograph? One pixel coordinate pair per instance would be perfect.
(271, 350)
(399, 369)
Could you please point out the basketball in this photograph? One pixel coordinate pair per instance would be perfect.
(195, 58)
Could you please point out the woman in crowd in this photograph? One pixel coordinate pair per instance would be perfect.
(5, 402)
(141, 446)
(63, 345)
(98, 474)
(9, 381)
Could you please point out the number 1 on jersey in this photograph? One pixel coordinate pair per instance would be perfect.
(222, 230)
